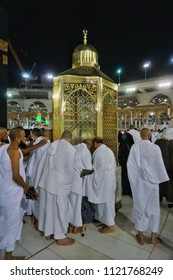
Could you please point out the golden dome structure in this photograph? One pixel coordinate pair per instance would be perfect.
(85, 61)
(85, 54)
(85, 99)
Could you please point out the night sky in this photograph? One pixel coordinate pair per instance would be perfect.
(126, 34)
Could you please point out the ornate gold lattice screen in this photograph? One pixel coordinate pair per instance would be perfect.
(79, 111)
(110, 119)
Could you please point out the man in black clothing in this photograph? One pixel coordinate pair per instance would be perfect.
(126, 140)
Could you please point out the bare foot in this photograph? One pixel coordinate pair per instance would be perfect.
(140, 238)
(107, 229)
(77, 230)
(49, 237)
(34, 222)
(66, 241)
(155, 240)
(36, 226)
(70, 229)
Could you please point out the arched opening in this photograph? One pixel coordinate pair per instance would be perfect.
(37, 106)
(13, 106)
(124, 102)
(160, 98)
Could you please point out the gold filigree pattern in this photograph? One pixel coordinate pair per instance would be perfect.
(70, 87)
(79, 111)
(110, 119)
(107, 90)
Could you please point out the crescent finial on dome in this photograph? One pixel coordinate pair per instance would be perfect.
(85, 32)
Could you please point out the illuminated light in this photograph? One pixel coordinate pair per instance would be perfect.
(147, 64)
(165, 84)
(49, 76)
(47, 120)
(38, 117)
(25, 75)
(132, 89)
(119, 71)
(9, 94)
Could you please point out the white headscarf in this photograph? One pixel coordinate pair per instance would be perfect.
(168, 133)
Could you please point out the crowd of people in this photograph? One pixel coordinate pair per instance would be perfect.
(49, 179)
(51, 175)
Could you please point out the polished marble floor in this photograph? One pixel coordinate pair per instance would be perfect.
(120, 245)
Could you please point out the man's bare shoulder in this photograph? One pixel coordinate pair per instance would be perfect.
(13, 150)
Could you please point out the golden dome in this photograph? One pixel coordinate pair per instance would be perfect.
(85, 54)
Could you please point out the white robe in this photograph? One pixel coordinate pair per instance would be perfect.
(11, 195)
(146, 171)
(135, 134)
(31, 170)
(83, 161)
(33, 161)
(54, 179)
(101, 185)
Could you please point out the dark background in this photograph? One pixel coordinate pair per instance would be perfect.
(3, 70)
(126, 33)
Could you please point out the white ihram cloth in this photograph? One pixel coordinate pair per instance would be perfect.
(135, 134)
(54, 179)
(101, 185)
(146, 171)
(168, 133)
(31, 169)
(83, 161)
(11, 194)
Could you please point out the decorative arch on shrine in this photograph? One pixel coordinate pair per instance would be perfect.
(79, 111)
(109, 117)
